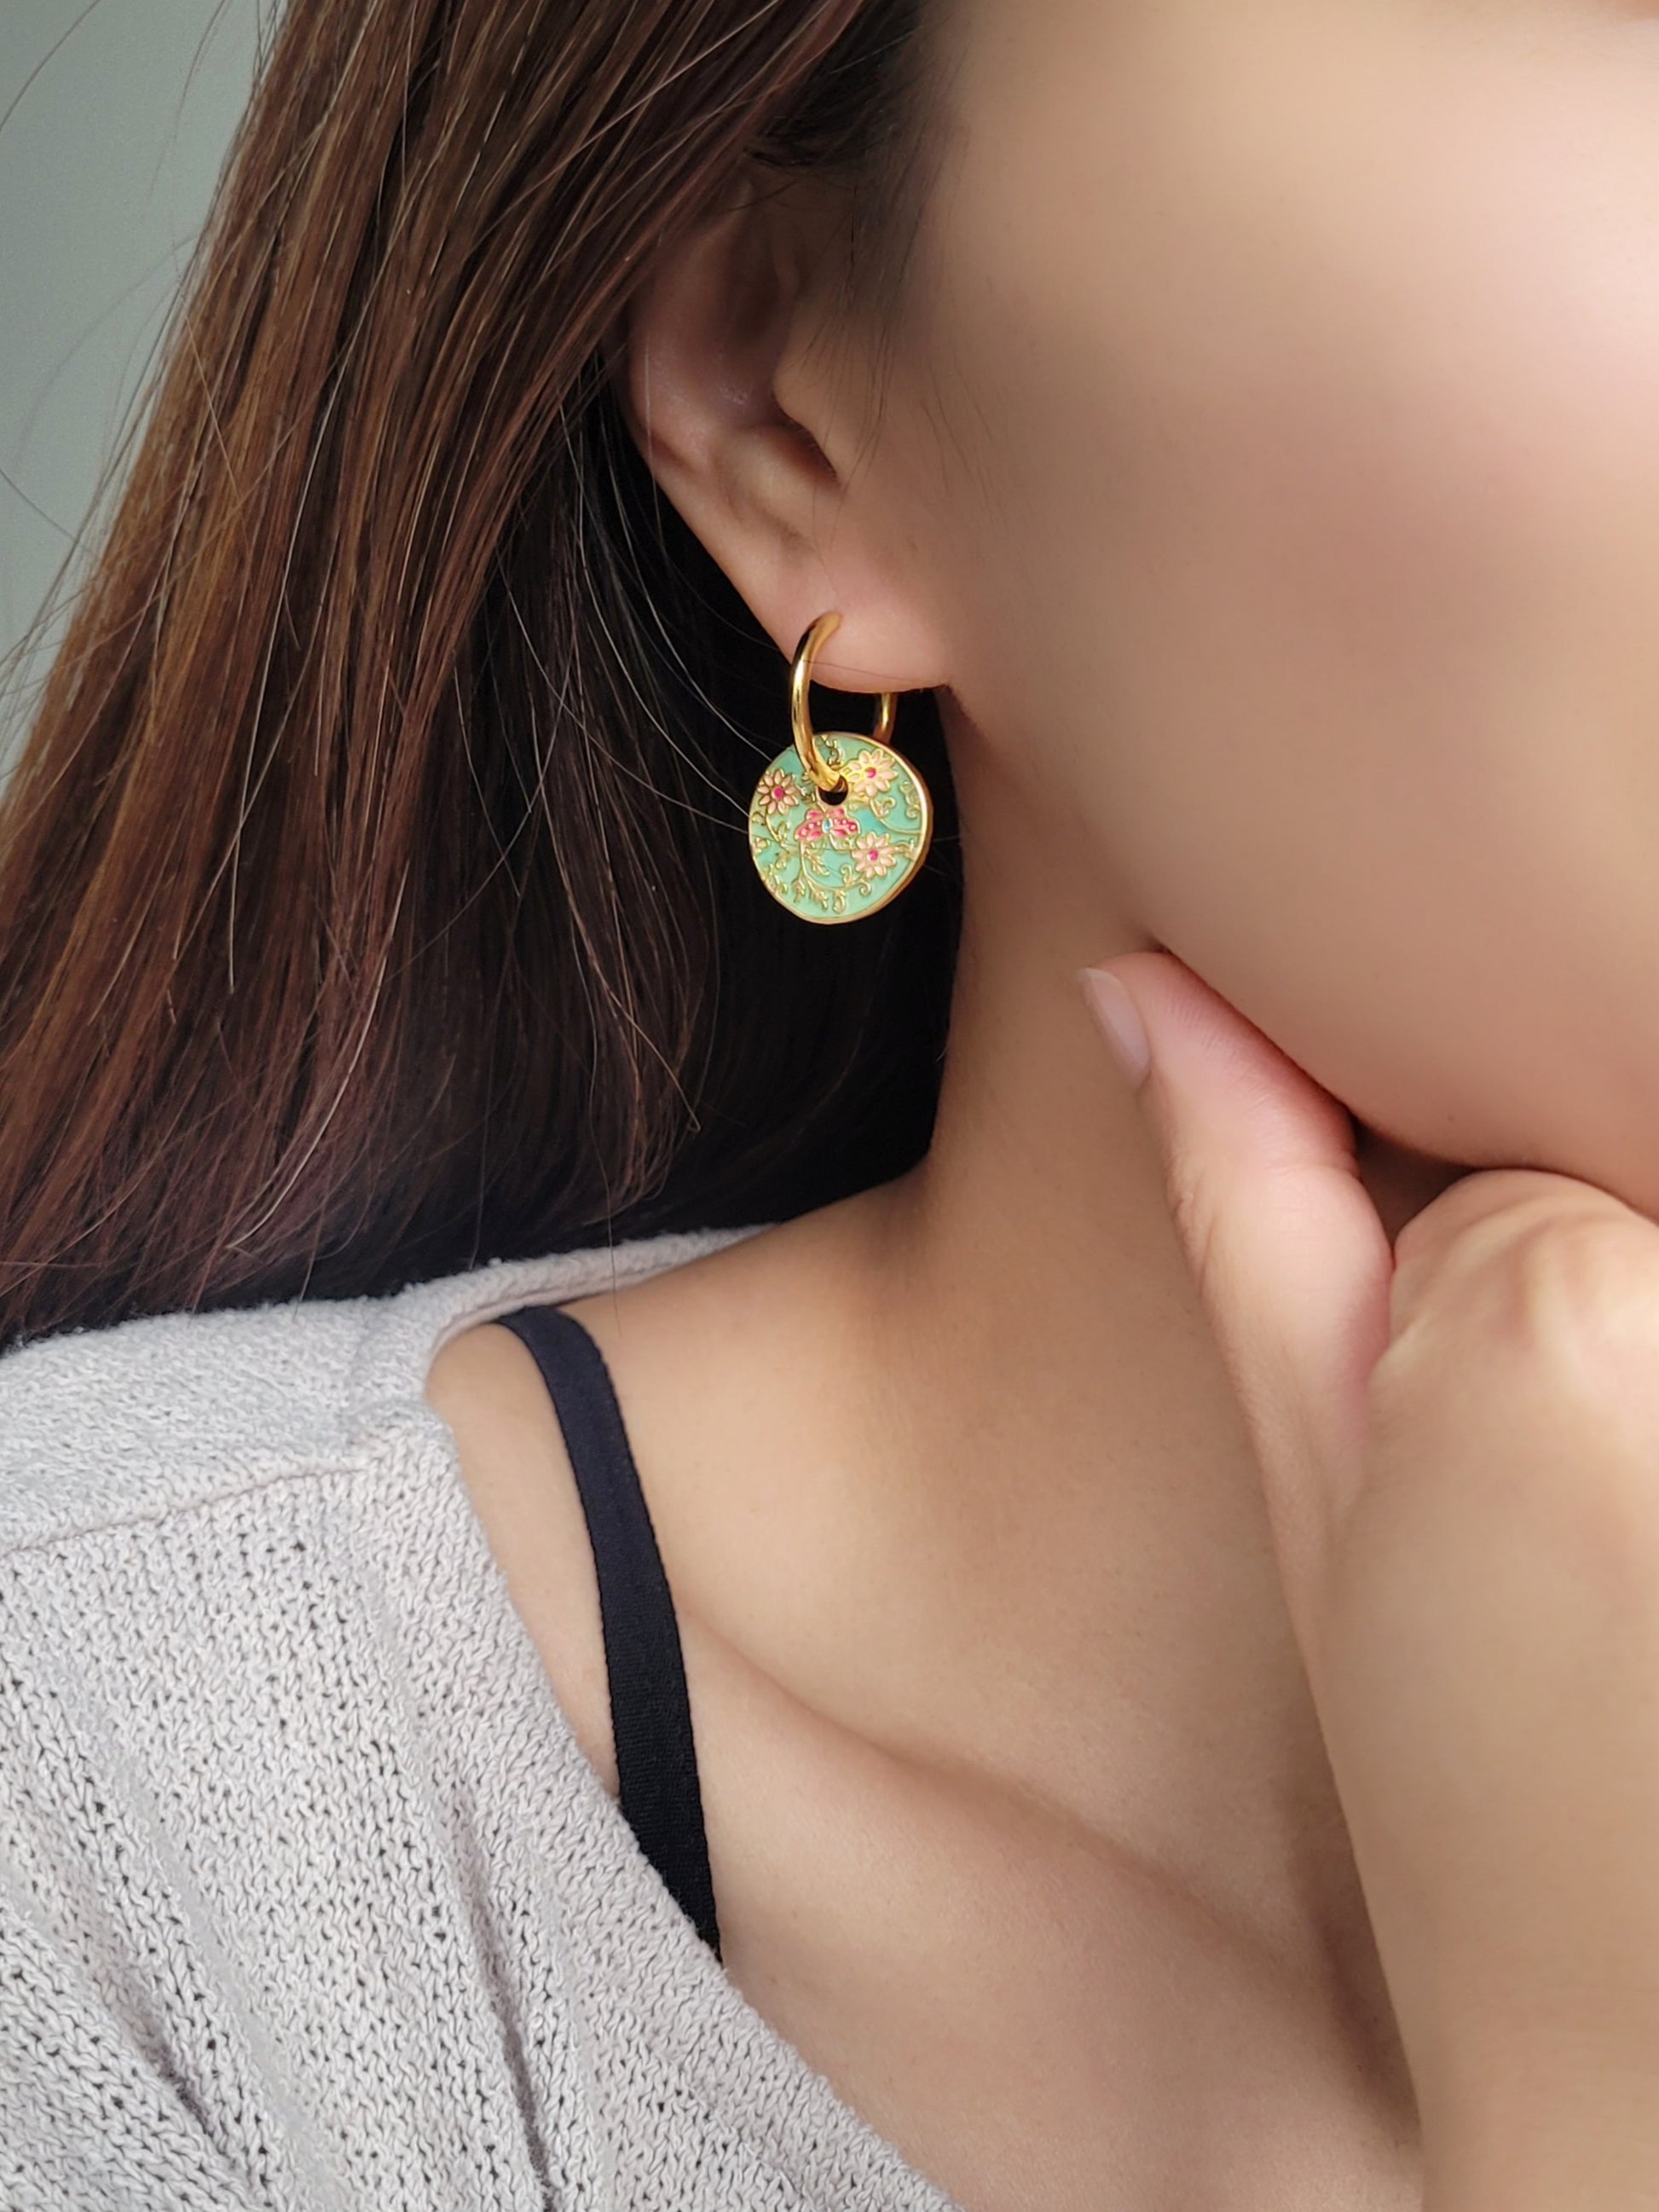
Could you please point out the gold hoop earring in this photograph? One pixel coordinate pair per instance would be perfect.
(838, 824)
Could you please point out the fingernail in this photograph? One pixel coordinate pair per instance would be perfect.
(1121, 1024)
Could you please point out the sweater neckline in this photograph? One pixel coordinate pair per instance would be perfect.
(681, 2000)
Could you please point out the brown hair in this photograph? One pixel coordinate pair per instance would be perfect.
(374, 895)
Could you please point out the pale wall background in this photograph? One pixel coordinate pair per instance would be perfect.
(116, 119)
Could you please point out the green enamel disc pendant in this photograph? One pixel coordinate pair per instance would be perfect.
(836, 860)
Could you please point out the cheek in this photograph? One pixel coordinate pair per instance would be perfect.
(1323, 578)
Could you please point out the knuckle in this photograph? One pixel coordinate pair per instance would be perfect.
(1581, 1295)
(1572, 1292)
(1192, 1214)
(1528, 1375)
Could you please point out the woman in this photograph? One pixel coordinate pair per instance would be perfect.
(1239, 418)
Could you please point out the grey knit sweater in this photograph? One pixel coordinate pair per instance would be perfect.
(308, 1896)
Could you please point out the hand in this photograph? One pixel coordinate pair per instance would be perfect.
(1458, 1439)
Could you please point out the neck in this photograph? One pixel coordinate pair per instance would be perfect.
(1096, 1546)
(995, 1510)
(1071, 1555)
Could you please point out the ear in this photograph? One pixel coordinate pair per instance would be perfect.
(753, 408)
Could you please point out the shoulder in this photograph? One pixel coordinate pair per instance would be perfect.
(158, 1416)
(511, 1456)
(151, 1417)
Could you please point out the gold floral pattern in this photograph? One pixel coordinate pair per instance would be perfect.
(870, 774)
(874, 855)
(779, 791)
(832, 859)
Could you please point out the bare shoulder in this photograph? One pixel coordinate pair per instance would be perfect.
(484, 1385)
(683, 1347)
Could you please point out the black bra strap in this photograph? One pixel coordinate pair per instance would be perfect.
(661, 1799)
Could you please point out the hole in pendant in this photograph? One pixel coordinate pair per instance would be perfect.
(832, 797)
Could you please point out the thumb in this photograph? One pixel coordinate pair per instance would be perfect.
(1288, 1252)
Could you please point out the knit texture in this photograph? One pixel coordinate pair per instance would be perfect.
(308, 1897)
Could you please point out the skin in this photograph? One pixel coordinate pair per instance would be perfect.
(1456, 1430)
(1260, 456)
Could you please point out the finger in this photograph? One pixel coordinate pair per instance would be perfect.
(1487, 1216)
(1287, 1250)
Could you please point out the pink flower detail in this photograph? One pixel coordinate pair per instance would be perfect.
(842, 824)
(809, 831)
(867, 775)
(874, 856)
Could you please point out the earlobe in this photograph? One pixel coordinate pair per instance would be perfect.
(714, 332)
